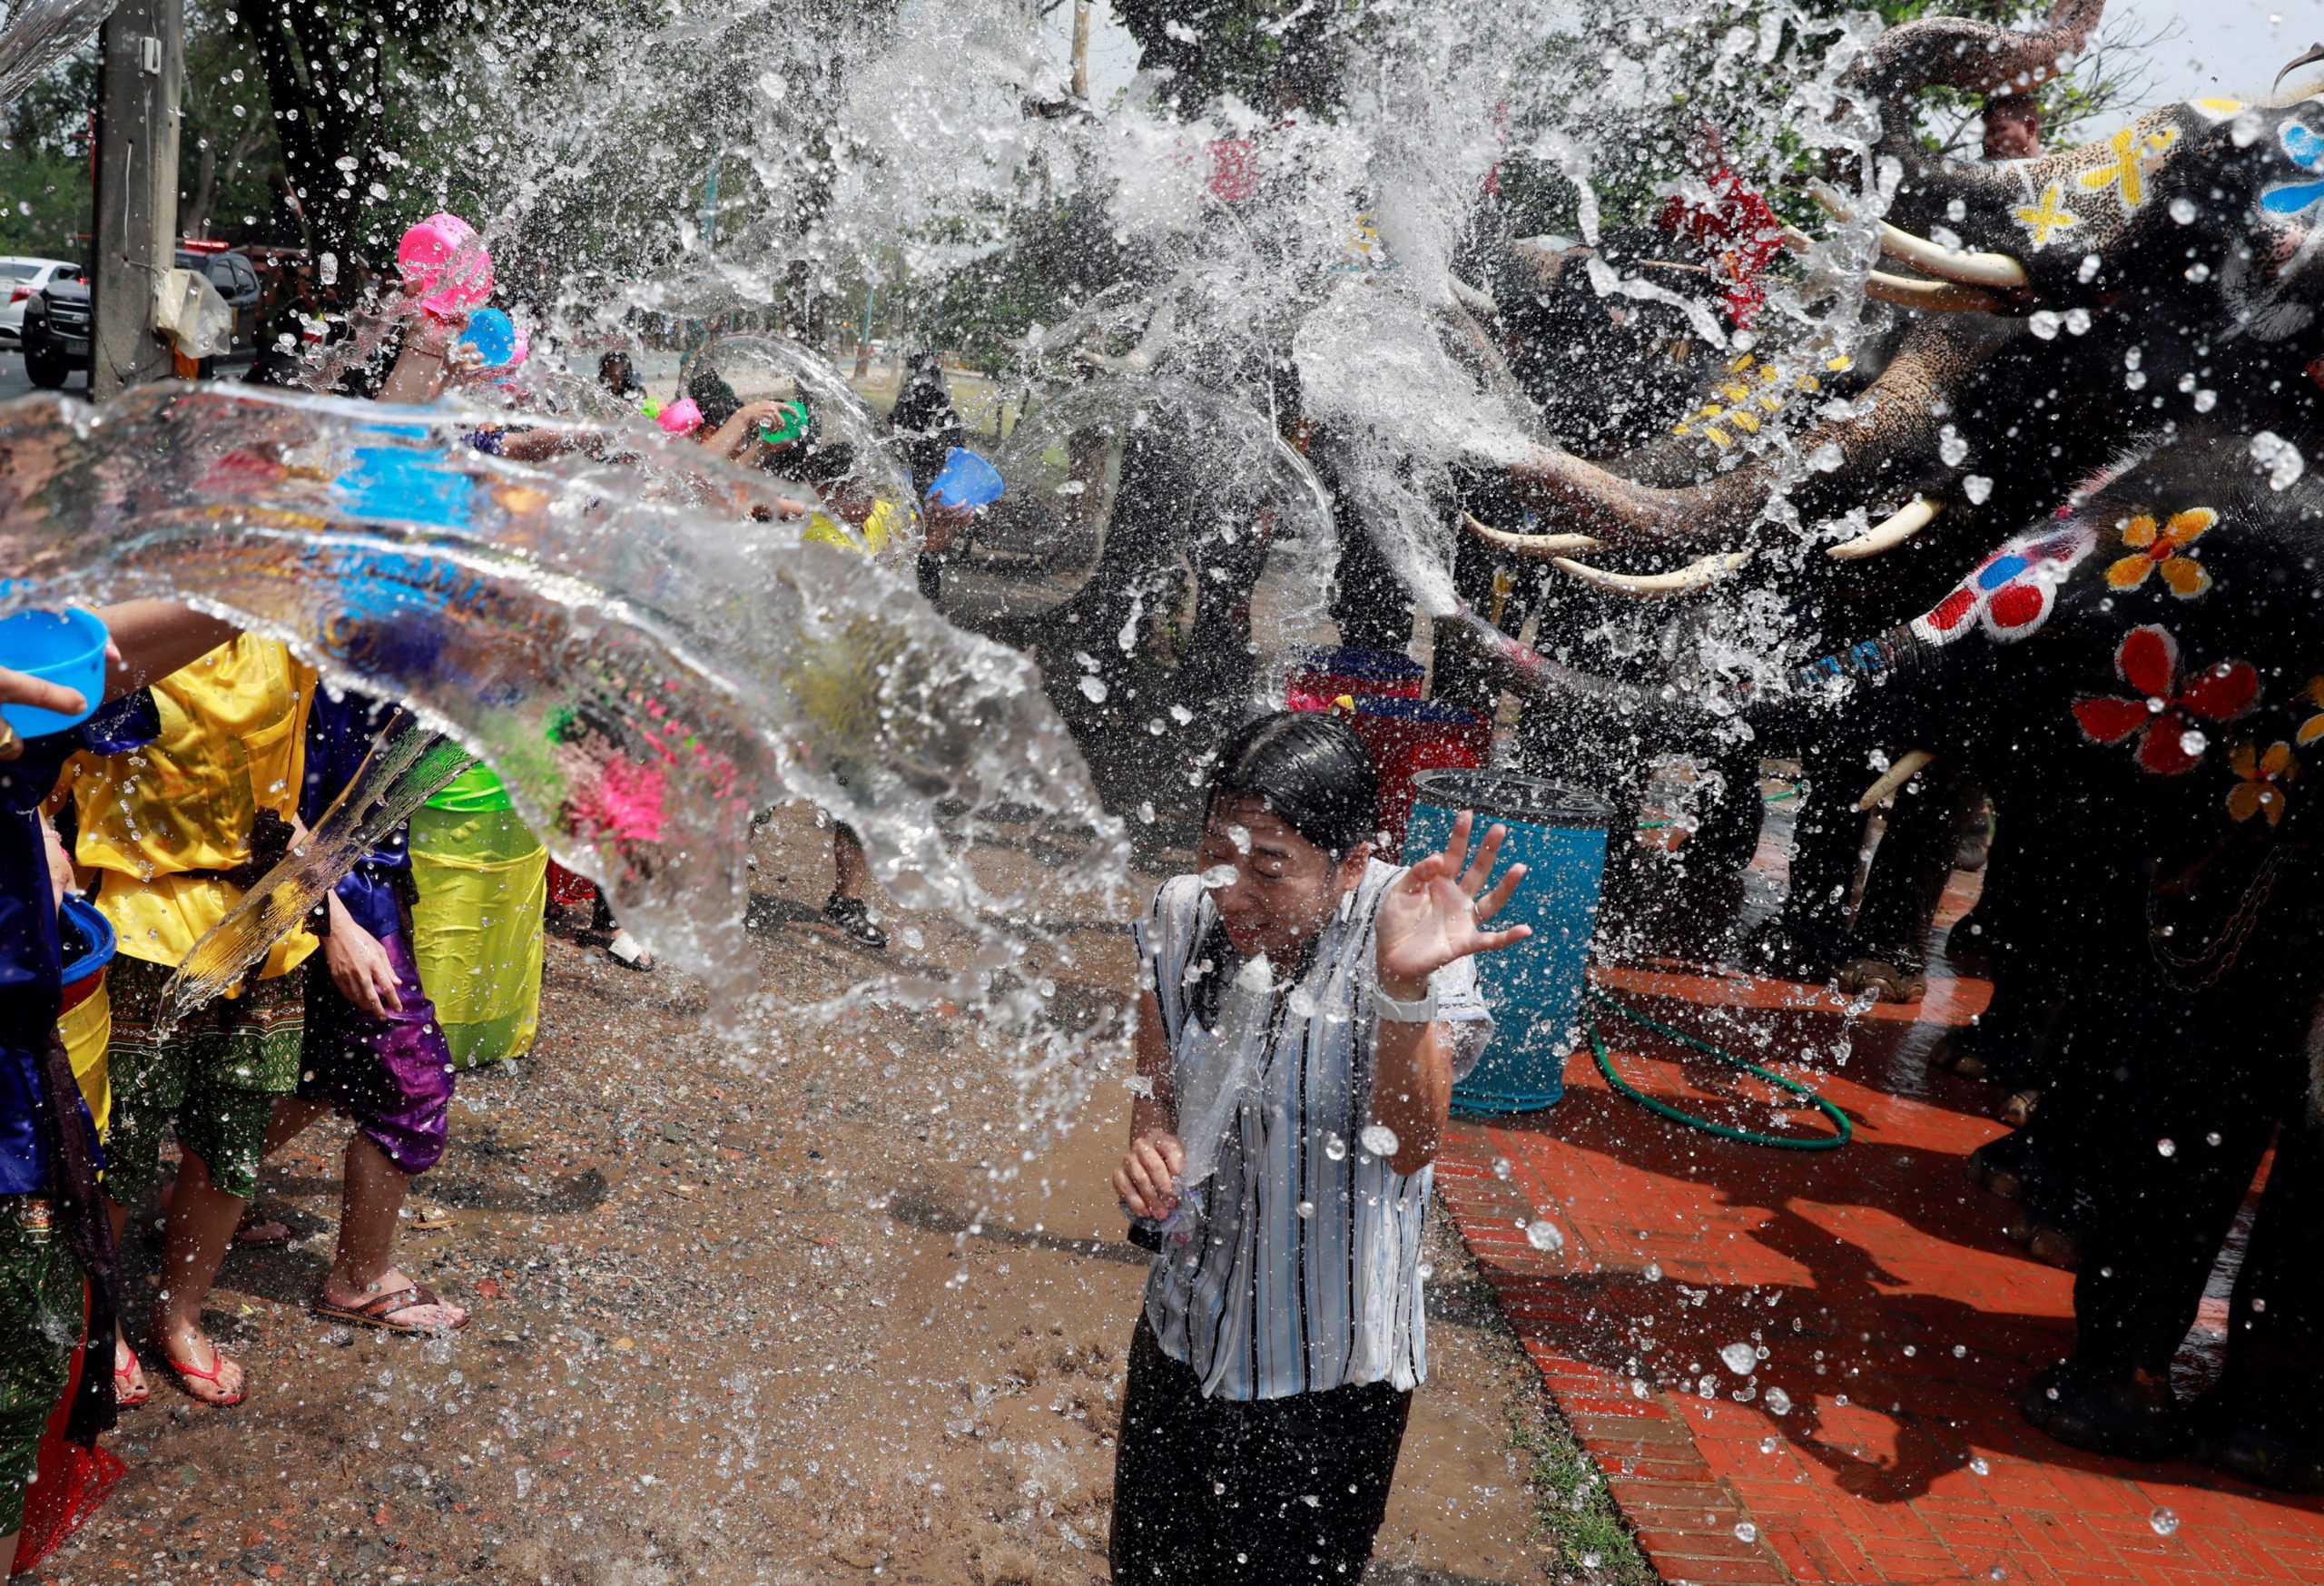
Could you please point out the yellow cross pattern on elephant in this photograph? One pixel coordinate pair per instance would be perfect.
(2126, 172)
(2041, 220)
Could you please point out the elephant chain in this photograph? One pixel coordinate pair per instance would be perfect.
(2227, 950)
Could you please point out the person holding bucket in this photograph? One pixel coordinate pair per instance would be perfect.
(57, 1275)
(1273, 1365)
(373, 1048)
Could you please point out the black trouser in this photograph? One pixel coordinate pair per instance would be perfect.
(1268, 1491)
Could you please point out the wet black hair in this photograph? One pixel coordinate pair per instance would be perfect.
(1313, 773)
(713, 396)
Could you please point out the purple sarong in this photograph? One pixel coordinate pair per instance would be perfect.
(392, 1075)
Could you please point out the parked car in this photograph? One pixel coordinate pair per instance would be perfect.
(19, 279)
(56, 318)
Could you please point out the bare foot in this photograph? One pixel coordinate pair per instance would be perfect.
(443, 1315)
(202, 1370)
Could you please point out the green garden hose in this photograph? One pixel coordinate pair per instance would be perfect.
(1750, 1137)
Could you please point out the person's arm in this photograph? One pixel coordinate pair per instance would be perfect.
(745, 425)
(1429, 919)
(153, 638)
(359, 965)
(1148, 1180)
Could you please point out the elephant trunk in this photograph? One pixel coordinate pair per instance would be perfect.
(1975, 57)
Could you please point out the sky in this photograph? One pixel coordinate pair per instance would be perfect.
(2233, 47)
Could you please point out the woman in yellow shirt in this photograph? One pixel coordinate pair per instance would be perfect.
(177, 830)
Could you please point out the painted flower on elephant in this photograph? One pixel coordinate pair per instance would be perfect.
(2313, 727)
(2012, 591)
(2260, 780)
(2164, 716)
(2306, 150)
(2164, 548)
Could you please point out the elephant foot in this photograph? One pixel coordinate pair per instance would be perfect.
(1954, 1053)
(1893, 979)
(1998, 1166)
(2019, 1110)
(2055, 1247)
(2129, 1416)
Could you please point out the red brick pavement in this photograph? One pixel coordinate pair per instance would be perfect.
(1875, 1285)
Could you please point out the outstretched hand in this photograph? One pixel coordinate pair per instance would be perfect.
(1437, 911)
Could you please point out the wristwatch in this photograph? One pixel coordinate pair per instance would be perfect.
(1423, 1011)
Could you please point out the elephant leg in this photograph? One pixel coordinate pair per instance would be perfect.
(2194, 1073)
(1809, 935)
(1888, 941)
(2264, 1422)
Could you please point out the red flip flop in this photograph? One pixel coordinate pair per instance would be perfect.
(125, 1396)
(186, 1372)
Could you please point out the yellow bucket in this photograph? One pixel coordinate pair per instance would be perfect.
(483, 883)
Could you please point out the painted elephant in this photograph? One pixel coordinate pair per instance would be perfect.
(2137, 673)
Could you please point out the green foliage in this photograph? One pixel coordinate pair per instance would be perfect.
(1573, 1513)
(1272, 53)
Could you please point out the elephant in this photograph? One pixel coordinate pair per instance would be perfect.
(2131, 671)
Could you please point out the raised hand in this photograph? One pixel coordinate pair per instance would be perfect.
(1437, 911)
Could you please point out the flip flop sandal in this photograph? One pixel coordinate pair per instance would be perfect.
(186, 1373)
(127, 1395)
(381, 1311)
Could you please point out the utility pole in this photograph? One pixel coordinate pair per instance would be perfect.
(1081, 50)
(138, 82)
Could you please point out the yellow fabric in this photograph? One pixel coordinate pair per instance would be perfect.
(475, 930)
(233, 741)
(86, 1027)
(879, 528)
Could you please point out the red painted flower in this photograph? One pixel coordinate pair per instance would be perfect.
(2164, 714)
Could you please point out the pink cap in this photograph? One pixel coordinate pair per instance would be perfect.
(445, 265)
(680, 417)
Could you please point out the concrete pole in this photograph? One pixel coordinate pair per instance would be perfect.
(138, 82)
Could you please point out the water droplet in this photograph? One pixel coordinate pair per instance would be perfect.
(2166, 1147)
(1977, 1465)
(1778, 1401)
(1335, 1147)
(2193, 743)
(1306, 1209)
(1653, 1272)
(1976, 487)
(1745, 1532)
(1740, 1358)
(2164, 1521)
(1501, 1167)
(2183, 210)
(2211, 1138)
(2044, 324)
(1768, 1445)
(1379, 1139)
(1093, 691)
(1543, 1235)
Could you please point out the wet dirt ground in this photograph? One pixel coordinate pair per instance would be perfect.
(770, 1316)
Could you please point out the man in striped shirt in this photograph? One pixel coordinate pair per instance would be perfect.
(1272, 1370)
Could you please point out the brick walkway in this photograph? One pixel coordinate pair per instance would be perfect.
(1875, 1438)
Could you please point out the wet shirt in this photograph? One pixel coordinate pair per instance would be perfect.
(1266, 1301)
(31, 966)
(340, 735)
(160, 822)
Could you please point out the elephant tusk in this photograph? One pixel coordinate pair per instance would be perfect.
(1939, 297)
(1536, 546)
(1797, 240)
(1654, 586)
(1993, 270)
(1473, 299)
(1890, 532)
(2314, 54)
(1909, 764)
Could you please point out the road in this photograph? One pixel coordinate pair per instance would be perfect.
(13, 383)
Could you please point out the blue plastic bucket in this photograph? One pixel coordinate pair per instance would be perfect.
(67, 649)
(493, 334)
(968, 480)
(87, 940)
(1535, 988)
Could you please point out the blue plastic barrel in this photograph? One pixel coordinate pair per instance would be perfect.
(1534, 988)
(66, 648)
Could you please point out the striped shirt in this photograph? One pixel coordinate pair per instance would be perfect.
(1304, 1273)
